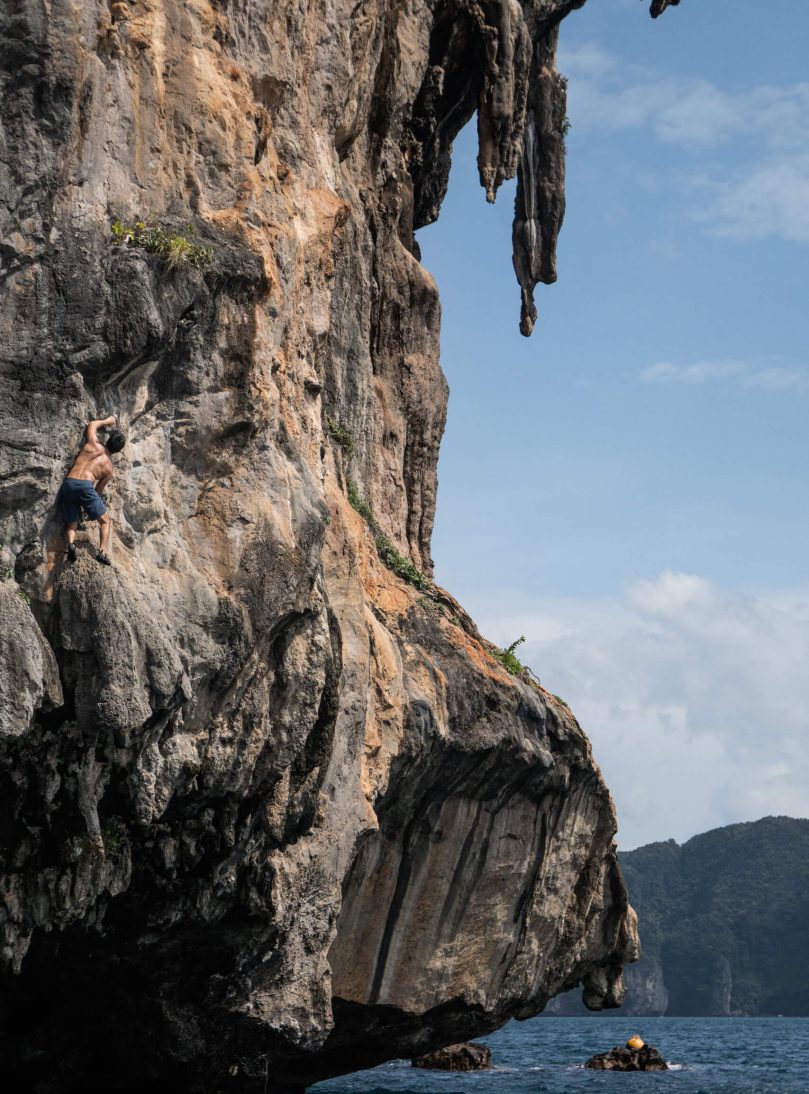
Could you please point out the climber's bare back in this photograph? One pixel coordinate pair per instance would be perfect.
(92, 463)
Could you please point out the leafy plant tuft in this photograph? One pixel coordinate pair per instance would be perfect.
(344, 437)
(358, 502)
(176, 249)
(397, 562)
(508, 658)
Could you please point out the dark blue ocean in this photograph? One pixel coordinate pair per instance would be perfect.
(708, 1056)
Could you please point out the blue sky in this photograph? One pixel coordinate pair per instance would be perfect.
(627, 487)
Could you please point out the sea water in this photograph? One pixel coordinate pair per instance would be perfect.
(707, 1056)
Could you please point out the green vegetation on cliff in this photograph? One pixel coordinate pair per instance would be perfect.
(175, 249)
(388, 553)
(509, 659)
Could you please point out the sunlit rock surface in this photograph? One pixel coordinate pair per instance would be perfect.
(267, 810)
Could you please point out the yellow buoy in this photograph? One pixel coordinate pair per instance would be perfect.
(635, 1042)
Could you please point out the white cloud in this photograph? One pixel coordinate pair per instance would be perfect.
(696, 698)
(778, 379)
(669, 594)
(588, 62)
(592, 106)
(604, 93)
(770, 199)
(698, 373)
(701, 113)
(766, 129)
(745, 373)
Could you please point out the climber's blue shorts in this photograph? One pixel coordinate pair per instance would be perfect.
(78, 494)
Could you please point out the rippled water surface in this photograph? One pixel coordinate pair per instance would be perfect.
(709, 1056)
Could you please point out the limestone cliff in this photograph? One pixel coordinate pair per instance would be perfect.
(269, 808)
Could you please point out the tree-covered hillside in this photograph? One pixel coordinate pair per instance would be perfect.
(726, 918)
(724, 922)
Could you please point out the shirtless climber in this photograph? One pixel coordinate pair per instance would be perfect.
(84, 486)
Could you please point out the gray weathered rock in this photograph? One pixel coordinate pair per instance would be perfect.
(646, 985)
(623, 1058)
(466, 1057)
(264, 805)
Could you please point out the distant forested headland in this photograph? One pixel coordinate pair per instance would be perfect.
(724, 923)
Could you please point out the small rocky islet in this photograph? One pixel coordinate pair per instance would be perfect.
(635, 1055)
(463, 1057)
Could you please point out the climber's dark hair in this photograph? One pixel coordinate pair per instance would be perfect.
(115, 441)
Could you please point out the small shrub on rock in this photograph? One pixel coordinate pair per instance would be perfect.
(176, 249)
(344, 437)
(508, 658)
(396, 561)
(357, 502)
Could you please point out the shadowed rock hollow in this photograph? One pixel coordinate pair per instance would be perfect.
(267, 808)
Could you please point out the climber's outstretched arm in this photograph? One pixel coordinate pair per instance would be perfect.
(94, 426)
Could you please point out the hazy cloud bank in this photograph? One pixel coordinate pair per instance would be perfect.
(696, 699)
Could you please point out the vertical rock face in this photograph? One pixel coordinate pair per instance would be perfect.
(267, 807)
